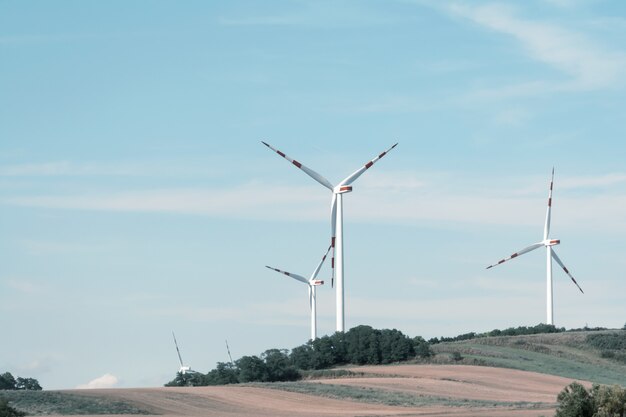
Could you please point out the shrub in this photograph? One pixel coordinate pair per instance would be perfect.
(7, 411)
(599, 401)
(574, 401)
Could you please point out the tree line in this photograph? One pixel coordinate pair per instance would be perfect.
(9, 382)
(361, 345)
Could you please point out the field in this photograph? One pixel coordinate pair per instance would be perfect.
(570, 355)
(521, 376)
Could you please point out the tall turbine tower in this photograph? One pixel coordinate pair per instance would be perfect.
(312, 282)
(336, 209)
(550, 254)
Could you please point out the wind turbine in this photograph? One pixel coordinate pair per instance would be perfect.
(551, 254)
(183, 369)
(312, 282)
(336, 216)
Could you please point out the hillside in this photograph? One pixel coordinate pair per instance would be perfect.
(597, 356)
(405, 390)
(520, 376)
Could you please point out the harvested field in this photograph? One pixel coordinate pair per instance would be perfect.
(404, 390)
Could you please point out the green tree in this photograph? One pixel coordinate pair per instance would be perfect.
(302, 356)
(278, 365)
(7, 381)
(252, 369)
(421, 347)
(7, 411)
(575, 401)
(27, 384)
(609, 401)
(224, 373)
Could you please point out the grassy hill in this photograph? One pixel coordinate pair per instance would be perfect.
(597, 356)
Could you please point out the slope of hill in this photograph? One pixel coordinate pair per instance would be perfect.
(591, 356)
(522, 377)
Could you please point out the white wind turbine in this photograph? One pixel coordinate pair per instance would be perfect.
(183, 369)
(336, 216)
(312, 282)
(548, 244)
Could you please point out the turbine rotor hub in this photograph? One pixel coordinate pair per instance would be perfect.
(343, 189)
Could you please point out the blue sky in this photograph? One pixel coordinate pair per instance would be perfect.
(136, 197)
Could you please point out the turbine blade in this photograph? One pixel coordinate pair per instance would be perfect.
(558, 261)
(356, 174)
(546, 229)
(177, 350)
(333, 228)
(294, 276)
(310, 297)
(518, 253)
(319, 266)
(317, 177)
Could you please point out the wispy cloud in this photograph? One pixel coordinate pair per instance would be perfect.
(588, 66)
(105, 381)
(412, 201)
(23, 286)
(134, 168)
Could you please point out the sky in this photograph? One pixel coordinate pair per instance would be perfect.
(136, 198)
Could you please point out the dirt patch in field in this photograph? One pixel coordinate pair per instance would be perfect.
(476, 382)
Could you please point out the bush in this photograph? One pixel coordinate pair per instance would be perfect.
(7, 411)
(574, 401)
(599, 401)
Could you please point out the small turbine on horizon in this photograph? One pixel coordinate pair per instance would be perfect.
(312, 282)
(336, 220)
(551, 254)
(183, 369)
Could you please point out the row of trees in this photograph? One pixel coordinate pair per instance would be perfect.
(8, 382)
(361, 345)
(511, 331)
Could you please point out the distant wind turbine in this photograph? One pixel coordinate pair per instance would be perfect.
(183, 369)
(312, 282)
(336, 240)
(551, 254)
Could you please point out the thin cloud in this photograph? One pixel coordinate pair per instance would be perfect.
(411, 202)
(23, 286)
(587, 65)
(105, 381)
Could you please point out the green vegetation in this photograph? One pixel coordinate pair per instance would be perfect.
(599, 401)
(511, 331)
(611, 345)
(578, 355)
(7, 411)
(54, 402)
(361, 345)
(8, 382)
(593, 354)
(388, 397)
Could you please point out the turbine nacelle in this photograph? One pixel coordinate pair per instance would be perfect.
(184, 369)
(551, 242)
(341, 189)
(316, 282)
